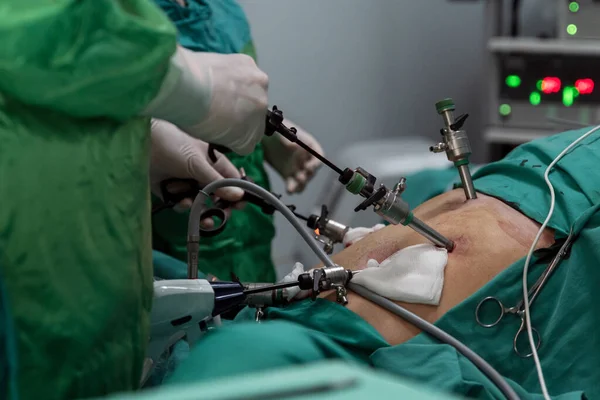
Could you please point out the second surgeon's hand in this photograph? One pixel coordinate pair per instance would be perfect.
(238, 99)
(295, 165)
(178, 155)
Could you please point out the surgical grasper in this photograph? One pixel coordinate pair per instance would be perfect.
(533, 293)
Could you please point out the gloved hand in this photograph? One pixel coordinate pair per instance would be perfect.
(218, 98)
(295, 165)
(178, 155)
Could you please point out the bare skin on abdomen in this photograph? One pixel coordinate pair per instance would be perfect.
(489, 237)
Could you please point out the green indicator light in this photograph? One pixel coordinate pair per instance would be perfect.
(571, 29)
(504, 110)
(513, 81)
(568, 96)
(539, 84)
(535, 98)
(573, 6)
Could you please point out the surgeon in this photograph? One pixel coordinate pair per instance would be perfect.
(79, 81)
(244, 247)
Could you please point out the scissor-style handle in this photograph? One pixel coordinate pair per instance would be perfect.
(175, 190)
(522, 333)
(494, 300)
(220, 214)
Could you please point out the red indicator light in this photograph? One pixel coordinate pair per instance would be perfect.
(551, 85)
(584, 86)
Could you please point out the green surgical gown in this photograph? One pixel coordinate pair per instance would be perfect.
(75, 233)
(244, 247)
(8, 349)
(565, 313)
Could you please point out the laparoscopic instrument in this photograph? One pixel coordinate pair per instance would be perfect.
(331, 276)
(519, 309)
(327, 231)
(456, 144)
(387, 203)
(183, 308)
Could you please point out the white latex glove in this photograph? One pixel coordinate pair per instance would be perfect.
(218, 98)
(355, 234)
(178, 155)
(293, 277)
(295, 165)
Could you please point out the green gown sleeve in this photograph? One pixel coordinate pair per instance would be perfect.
(8, 350)
(99, 58)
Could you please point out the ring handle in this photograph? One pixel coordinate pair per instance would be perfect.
(478, 311)
(215, 230)
(536, 337)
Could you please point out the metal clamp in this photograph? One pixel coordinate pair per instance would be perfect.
(392, 207)
(341, 295)
(259, 314)
(327, 243)
(331, 278)
(328, 231)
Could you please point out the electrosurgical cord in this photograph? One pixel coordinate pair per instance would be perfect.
(194, 223)
(440, 335)
(198, 206)
(538, 364)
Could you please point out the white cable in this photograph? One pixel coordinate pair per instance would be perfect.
(538, 365)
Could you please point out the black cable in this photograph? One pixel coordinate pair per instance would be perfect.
(300, 216)
(514, 19)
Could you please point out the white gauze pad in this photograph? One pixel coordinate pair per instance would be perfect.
(414, 274)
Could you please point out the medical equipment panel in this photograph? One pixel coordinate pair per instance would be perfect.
(537, 90)
(579, 19)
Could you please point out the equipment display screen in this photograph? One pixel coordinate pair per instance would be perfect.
(559, 79)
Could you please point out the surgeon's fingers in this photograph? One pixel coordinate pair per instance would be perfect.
(186, 204)
(207, 223)
(183, 205)
(205, 173)
(296, 183)
(239, 205)
(312, 165)
(291, 185)
(224, 167)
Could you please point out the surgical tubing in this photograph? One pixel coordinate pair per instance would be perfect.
(198, 205)
(440, 335)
